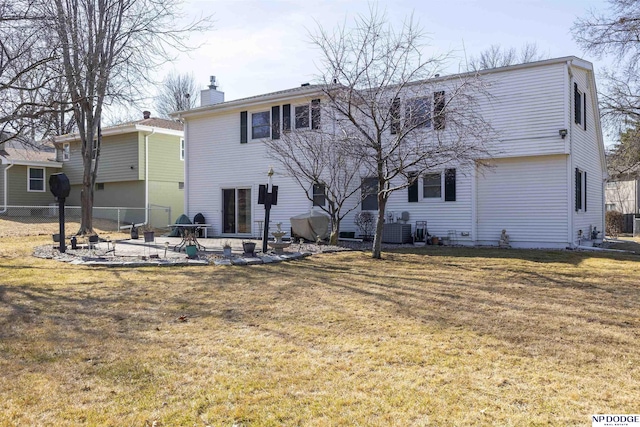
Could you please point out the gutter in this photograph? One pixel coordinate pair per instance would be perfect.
(6, 195)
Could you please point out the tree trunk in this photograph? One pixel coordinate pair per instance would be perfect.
(377, 239)
(335, 232)
(88, 180)
(86, 201)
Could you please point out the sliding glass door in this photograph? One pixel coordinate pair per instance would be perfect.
(236, 211)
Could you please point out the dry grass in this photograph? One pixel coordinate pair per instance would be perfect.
(438, 337)
(41, 226)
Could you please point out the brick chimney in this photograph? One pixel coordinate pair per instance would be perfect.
(146, 114)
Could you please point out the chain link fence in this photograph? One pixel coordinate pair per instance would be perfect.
(34, 220)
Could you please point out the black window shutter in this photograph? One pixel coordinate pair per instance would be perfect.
(395, 116)
(585, 190)
(438, 110)
(450, 185)
(584, 99)
(578, 190)
(315, 114)
(413, 189)
(275, 122)
(243, 127)
(577, 103)
(286, 117)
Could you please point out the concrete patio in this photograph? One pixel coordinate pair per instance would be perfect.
(137, 252)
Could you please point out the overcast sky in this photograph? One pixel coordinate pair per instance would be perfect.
(261, 46)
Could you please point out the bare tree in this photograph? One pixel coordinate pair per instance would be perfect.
(396, 117)
(498, 56)
(25, 72)
(623, 159)
(178, 92)
(317, 160)
(614, 34)
(106, 49)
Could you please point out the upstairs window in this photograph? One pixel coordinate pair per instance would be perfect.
(35, 179)
(578, 104)
(302, 117)
(182, 149)
(66, 152)
(260, 125)
(418, 113)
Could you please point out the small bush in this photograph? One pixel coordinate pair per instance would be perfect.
(614, 222)
(365, 221)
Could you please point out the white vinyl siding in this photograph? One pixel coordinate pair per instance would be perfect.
(223, 163)
(585, 157)
(527, 197)
(528, 192)
(441, 216)
(526, 110)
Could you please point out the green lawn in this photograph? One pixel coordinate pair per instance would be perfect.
(436, 336)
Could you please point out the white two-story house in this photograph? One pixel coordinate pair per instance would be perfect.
(545, 186)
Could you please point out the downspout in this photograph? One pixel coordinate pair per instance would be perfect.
(6, 196)
(146, 176)
(570, 205)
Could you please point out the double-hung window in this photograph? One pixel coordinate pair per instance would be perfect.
(35, 179)
(182, 149)
(369, 189)
(418, 113)
(432, 186)
(66, 152)
(319, 196)
(302, 116)
(260, 125)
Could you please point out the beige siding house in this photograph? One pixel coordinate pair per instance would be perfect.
(141, 165)
(24, 177)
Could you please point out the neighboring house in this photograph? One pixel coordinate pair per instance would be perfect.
(622, 194)
(24, 177)
(546, 185)
(141, 165)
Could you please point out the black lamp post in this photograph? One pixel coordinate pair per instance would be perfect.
(60, 188)
(267, 196)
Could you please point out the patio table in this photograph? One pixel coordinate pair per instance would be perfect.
(189, 233)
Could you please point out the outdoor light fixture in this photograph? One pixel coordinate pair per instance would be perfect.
(563, 133)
